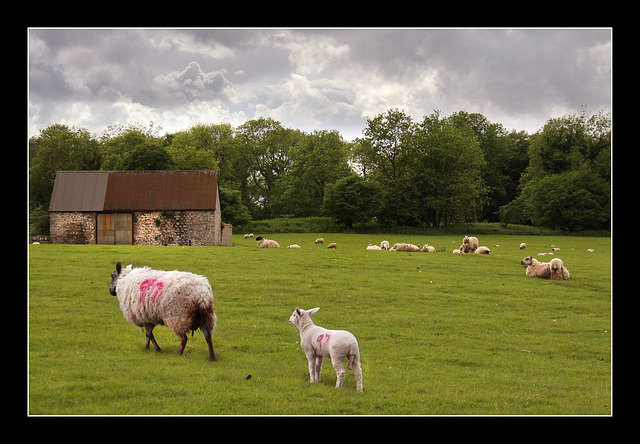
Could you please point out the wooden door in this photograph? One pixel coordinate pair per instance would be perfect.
(115, 229)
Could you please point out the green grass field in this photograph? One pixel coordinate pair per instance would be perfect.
(439, 333)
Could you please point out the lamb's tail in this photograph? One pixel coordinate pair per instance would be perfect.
(353, 357)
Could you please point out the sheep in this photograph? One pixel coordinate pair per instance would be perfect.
(523, 246)
(536, 268)
(470, 244)
(266, 243)
(555, 249)
(457, 251)
(319, 240)
(558, 270)
(384, 245)
(591, 250)
(180, 300)
(483, 250)
(293, 246)
(248, 236)
(318, 342)
(373, 247)
(332, 245)
(404, 247)
(428, 248)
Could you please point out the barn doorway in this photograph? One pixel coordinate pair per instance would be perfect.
(115, 229)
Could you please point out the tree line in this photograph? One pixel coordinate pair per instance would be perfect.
(428, 173)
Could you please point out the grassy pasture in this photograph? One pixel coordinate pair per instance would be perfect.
(439, 334)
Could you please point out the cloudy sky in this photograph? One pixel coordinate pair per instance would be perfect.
(312, 79)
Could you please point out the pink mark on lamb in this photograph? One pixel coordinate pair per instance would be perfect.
(152, 286)
(321, 337)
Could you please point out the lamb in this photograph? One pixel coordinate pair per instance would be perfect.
(384, 245)
(332, 245)
(558, 270)
(469, 244)
(266, 243)
(318, 343)
(180, 300)
(483, 250)
(248, 236)
(404, 247)
(457, 251)
(591, 250)
(373, 247)
(319, 240)
(428, 248)
(293, 246)
(523, 246)
(536, 268)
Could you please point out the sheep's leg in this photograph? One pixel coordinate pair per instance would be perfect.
(357, 371)
(312, 365)
(183, 343)
(149, 330)
(207, 336)
(318, 367)
(337, 365)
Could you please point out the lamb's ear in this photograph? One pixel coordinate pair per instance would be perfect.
(298, 311)
(313, 310)
(118, 267)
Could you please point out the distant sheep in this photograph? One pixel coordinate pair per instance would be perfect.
(384, 245)
(469, 244)
(266, 243)
(558, 270)
(401, 246)
(555, 249)
(319, 240)
(373, 247)
(591, 250)
(483, 250)
(248, 236)
(318, 343)
(332, 245)
(428, 248)
(293, 246)
(180, 300)
(457, 251)
(536, 268)
(523, 246)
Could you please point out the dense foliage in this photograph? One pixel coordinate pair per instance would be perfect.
(429, 173)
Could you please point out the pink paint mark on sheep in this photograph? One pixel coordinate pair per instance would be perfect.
(321, 337)
(153, 286)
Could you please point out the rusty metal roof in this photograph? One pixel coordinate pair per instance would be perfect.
(134, 190)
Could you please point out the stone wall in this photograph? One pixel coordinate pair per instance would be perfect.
(72, 228)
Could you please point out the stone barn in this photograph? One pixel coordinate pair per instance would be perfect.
(137, 208)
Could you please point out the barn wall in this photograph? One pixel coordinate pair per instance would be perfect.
(72, 228)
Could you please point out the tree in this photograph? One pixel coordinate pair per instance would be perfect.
(352, 200)
(133, 148)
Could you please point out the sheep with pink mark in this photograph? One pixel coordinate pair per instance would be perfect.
(180, 300)
(318, 343)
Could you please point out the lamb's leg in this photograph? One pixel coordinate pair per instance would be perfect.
(357, 371)
(337, 365)
(318, 367)
(183, 343)
(207, 336)
(149, 330)
(312, 366)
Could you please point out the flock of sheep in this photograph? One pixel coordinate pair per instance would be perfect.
(184, 301)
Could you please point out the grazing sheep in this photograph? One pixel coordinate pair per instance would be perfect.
(558, 270)
(319, 240)
(373, 247)
(483, 250)
(523, 246)
(428, 248)
(536, 268)
(293, 246)
(555, 249)
(332, 245)
(180, 300)
(266, 243)
(248, 236)
(384, 245)
(404, 247)
(318, 343)
(469, 244)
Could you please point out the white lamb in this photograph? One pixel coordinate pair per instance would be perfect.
(266, 243)
(293, 246)
(558, 270)
(373, 247)
(180, 300)
(428, 248)
(469, 244)
(483, 250)
(384, 245)
(318, 343)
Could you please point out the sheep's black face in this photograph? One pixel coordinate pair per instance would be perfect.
(114, 281)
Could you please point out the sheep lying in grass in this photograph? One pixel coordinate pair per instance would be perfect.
(266, 243)
(428, 248)
(469, 244)
(293, 246)
(401, 246)
(483, 250)
(558, 272)
(373, 247)
(536, 268)
(591, 250)
(318, 343)
(457, 251)
(180, 300)
(384, 245)
(248, 236)
(319, 240)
